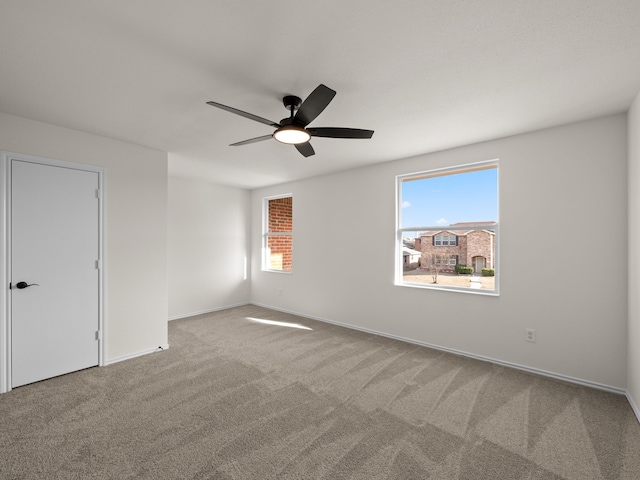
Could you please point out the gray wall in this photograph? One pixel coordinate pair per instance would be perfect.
(563, 214)
(208, 246)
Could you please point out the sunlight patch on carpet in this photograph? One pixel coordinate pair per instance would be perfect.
(279, 324)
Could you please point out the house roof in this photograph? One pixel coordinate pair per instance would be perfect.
(410, 251)
(430, 233)
(462, 224)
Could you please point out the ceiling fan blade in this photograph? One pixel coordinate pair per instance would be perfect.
(314, 104)
(250, 116)
(252, 140)
(305, 149)
(332, 132)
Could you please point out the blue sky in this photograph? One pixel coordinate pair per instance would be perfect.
(463, 197)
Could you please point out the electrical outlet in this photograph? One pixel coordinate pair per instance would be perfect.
(530, 335)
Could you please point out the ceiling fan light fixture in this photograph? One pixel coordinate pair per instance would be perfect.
(292, 135)
(292, 131)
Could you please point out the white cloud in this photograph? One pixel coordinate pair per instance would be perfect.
(442, 221)
(406, 204)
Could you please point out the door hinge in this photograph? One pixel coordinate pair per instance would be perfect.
(97, 193)
(98, 335)
(98, 264)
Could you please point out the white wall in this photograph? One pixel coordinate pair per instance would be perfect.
(633, 363)
(563, 213)
(208, 247)
(135, 226)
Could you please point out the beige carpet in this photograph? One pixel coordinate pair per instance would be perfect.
(236, 398)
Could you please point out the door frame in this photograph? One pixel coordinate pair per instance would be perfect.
(475, 263)
(5, 256)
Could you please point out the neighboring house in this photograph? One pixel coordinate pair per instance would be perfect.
(411, 253)
(410, 257)
(475, 248)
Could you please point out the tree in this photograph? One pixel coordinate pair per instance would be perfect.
(436, 262)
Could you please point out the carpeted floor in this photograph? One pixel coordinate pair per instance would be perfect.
(237, 398)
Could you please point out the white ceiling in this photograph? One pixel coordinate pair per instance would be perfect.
(425, 75)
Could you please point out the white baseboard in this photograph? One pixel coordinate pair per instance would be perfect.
(634, 407)
(139, 354)
(211, 310)
(557, 376)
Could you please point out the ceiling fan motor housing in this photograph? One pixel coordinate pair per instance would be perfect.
(291, 101)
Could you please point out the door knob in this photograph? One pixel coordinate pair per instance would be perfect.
(21, 285)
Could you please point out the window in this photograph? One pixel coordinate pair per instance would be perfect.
(446, 260)
(278, 234)
(451, 216)
(444, 240)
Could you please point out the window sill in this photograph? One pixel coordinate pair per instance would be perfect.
(472, 291)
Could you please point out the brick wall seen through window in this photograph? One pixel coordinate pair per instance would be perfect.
(278, 235)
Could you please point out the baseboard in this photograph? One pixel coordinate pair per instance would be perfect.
(474, 356)
(211, 310)
(634, 407)
(139, 354)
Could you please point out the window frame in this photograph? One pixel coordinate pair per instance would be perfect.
(266, 234)
(400, 230)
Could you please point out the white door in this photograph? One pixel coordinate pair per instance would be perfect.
(55, 235)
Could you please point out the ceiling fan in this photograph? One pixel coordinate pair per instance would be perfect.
(293, 130)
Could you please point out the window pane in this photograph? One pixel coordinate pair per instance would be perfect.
(450, 199)
(424, 263)
(279, 251)
(280, 214)
(277, 237)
